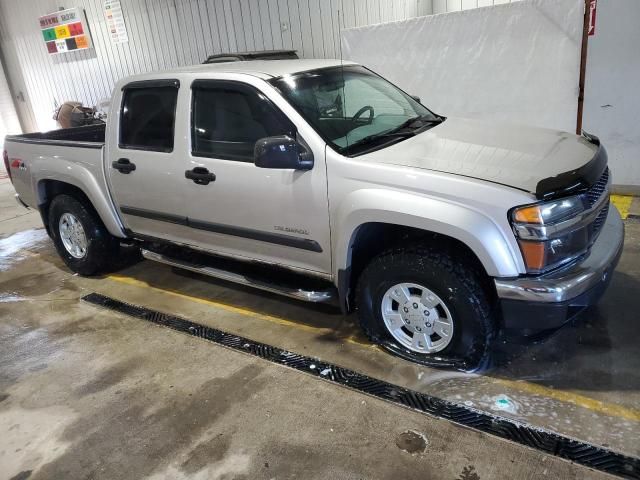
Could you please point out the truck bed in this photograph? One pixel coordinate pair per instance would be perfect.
(92, 136)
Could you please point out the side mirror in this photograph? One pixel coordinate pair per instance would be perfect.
(282, 152)
(415, 97)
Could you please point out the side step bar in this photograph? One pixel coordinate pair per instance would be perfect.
(314, 296)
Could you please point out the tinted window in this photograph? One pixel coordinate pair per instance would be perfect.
(148, 117)
(228, 119)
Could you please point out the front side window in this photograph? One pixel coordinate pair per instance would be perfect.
(228, 118)
(148, 117)
(353, 109)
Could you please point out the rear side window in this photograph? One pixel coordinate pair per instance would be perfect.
(229, 117)
(148, 116)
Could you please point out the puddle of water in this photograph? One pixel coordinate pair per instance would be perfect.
(426, 377)
(11, 298)
(412, 442)
(12, 248)
(504, 403)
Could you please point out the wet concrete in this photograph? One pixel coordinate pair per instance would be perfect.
(581, 382)
(86, 393)
(21, 219)
(412, 442)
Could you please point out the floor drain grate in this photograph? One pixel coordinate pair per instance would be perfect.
(592, 456)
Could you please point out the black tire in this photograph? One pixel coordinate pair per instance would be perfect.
(102, 248)
(449, 276)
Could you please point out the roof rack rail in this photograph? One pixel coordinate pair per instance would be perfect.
(258, 55)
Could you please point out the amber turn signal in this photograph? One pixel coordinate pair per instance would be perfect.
(528, 215)
(534, 254)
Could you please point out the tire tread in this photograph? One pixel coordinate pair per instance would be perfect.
(437, 257)
(102, 246)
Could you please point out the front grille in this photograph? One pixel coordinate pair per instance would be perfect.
(599, 221)
(595, 192)
(591, 198)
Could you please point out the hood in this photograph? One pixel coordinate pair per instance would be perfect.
(536, 160)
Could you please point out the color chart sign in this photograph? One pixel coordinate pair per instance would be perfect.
(115, 21)
(65, 31)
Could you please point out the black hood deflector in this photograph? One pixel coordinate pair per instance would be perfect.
(575, 181)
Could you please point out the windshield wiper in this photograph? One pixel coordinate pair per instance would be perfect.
(404, 130)
(420, 118)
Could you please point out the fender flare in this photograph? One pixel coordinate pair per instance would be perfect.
(84, 180)
(498, 254)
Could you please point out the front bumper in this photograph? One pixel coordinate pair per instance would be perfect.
(548, 301)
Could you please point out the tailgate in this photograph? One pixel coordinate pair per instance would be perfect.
(17, 169)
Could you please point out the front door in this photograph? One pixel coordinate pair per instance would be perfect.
(146, 172)
(280, 216)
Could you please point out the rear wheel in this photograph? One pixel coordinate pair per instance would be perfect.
(428, 306)
(80, 237)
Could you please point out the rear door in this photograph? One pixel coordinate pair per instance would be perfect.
(146, 172)
(278, 216)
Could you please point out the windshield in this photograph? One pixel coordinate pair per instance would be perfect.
(353, 109)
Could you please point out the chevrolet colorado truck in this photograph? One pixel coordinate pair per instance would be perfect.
(322, 181)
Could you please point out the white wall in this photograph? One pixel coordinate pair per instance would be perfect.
(517, 62)
(169, 33)
(612, 105)
(165, 34)
(612, 91)
(444, 6)
(9, 123)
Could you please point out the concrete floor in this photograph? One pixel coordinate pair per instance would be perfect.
(87, 393)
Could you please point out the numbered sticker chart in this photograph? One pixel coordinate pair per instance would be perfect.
(65, 31)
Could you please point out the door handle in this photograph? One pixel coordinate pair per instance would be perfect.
(200, 175)
(123, 165)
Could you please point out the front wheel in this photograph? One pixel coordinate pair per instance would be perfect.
(426, 305)
(80, 237)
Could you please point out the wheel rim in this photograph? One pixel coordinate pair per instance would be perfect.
(417, 318)
(72, 235)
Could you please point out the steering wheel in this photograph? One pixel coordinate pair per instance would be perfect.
(361, 111)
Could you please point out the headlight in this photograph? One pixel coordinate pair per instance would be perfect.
(549, 213)
(556, 232)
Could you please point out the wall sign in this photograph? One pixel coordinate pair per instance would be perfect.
(65, 31)
(592, 17)
(115, 21)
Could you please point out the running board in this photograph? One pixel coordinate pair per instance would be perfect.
(314, 296)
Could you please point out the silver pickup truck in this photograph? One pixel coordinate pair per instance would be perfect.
(322, 181)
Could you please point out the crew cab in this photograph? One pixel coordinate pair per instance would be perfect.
(322, 181)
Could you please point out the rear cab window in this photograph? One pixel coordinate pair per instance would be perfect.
(229, 117)
(147, 120)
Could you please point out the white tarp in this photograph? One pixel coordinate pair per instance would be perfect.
(612, 102)
(517, 62)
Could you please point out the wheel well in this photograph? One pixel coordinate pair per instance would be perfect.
(371, 239)
(49, 189)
